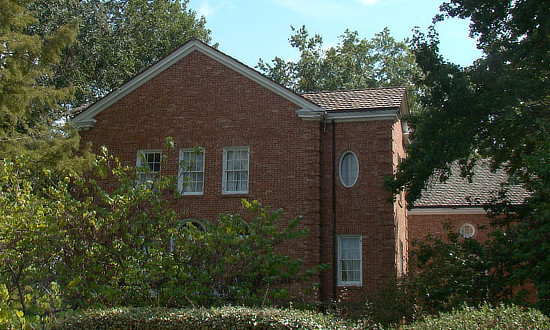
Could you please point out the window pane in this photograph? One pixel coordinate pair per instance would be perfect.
(349, 254)
(349, 169)
(236, 170)
(191, 171)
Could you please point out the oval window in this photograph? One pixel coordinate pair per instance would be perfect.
(349, 169)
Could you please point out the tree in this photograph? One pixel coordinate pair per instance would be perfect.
(354, 63)
(498, 108)
(116, 40)
(29, 101)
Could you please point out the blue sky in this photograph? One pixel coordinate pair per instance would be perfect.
(251, 29)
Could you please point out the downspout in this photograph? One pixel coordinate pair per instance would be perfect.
(334, 252)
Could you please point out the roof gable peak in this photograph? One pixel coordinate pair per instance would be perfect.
(85, 119)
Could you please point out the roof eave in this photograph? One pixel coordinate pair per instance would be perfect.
(363, 115)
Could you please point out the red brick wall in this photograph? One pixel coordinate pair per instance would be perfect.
(200, 102)
(420, 225)
(400, 209)
(362, 209)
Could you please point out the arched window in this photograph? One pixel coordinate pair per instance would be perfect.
(348, 169)
(185, 223)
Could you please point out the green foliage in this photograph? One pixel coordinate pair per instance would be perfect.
(234, 261)
(213, 318)
(70, 242)
(497, 108)
(444, 275)
(143, 32)
(29, 103)
(485, 317)
(354, 63)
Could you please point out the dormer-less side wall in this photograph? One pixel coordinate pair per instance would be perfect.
(200, 102)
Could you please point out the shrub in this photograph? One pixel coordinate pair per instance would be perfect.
(485, 317)
(213, 318)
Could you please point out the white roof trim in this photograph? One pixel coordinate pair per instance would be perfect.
(446, 210)
(85, 119)
(363, 115)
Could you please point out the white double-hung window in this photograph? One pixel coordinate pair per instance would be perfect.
(191, 171)
(350, 260)
(235, 170)
(148, 165)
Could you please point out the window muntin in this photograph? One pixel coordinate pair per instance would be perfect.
(148, 165)
(235, 170)
(348, 169)
(191, 177)
(467, 230)
(350, 260)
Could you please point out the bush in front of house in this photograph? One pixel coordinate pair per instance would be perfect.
(202, 318)
(70, 242)
(485, 317)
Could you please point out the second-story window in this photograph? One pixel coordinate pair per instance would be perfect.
(235, 170)
(191, 175)
(349, 169)
(148, 165)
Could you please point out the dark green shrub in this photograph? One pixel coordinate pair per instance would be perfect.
(485, 317)
(213, 318)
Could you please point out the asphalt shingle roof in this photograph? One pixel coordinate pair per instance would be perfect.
(378, 98)
(460, 192)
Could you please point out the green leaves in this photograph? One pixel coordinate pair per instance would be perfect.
(354, 63)
(143, 32)
(498, 108)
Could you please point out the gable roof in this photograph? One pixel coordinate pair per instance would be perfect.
(460, 192)
(85, 119)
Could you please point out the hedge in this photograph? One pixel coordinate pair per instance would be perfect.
(485, 317)
(213, 318)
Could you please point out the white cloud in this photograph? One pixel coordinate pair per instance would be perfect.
(206, 9)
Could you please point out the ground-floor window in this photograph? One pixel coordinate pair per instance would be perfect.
(350, 263)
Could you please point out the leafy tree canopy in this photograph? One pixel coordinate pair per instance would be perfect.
(117, 39)
(497, 108)
(29, 102)
(354, 63)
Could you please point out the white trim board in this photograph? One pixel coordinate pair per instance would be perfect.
(446, 210)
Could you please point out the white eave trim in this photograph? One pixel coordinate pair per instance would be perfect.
(84, 124)
(363, 115)
(446, 210)
(310, 114)
(86, 121)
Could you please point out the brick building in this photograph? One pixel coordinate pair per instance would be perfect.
(322, 156)
(458, 203)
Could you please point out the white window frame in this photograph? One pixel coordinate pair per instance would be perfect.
(348, 152)
(462, 230)
(359, 245)
(187, 172)
(225, 187)
(139, 165)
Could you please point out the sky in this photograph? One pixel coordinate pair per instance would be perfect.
(252, 29)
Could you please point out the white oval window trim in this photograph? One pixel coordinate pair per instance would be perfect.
(348, 169)
(467, 230)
